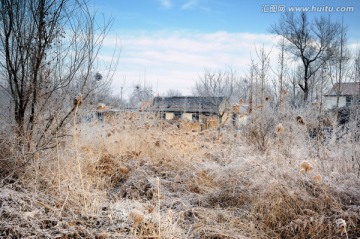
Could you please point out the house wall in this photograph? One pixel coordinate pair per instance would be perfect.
(330, 102)
(169, 115)
(212, 122)
(226, 117)
(205, 121)
(224, 106)
(187, 116)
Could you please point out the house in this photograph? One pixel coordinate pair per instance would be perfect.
(349, 92)
(145, 106)
(240, 113)
(106, 113)
(192, 108)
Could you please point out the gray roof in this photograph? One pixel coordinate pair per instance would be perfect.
(346, 89)
(187, 104)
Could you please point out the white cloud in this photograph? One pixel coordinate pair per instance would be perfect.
(190, 4)
(195, 4)
(177, 59)
(166, 3)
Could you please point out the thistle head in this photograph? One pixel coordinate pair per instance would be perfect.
(305, 167)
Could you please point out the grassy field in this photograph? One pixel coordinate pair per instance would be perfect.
(139, 177)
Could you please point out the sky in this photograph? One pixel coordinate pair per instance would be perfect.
(168, 44)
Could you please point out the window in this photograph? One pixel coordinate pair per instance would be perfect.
(195, 117)
(348, 100)
(177, 115)
(100, 116)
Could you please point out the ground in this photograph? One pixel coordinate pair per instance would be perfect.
(139, 177)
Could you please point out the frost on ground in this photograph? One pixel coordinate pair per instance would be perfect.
(138, 177)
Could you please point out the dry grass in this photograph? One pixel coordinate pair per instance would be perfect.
(267, 182)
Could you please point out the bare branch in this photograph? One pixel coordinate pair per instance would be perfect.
(312, 42)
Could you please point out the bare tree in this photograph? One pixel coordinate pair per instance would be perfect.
(107, 97)
(281, 73)
(241, 88)
(338, 66)
(295, 75)
(310, 41)
(48, 49)
(259, 89)
(262, 70)
(251, 87)
(356, 68)
(355, 76)
(173, 92)
(221, 83)
(217, 87)
(356, 106)
(141, 94)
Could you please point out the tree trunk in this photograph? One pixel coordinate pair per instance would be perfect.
(19, 119)
(306, 91)
(305, 87)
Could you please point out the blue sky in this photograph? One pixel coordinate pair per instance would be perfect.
(168, 43)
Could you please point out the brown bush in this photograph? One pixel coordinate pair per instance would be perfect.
(206, 184)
